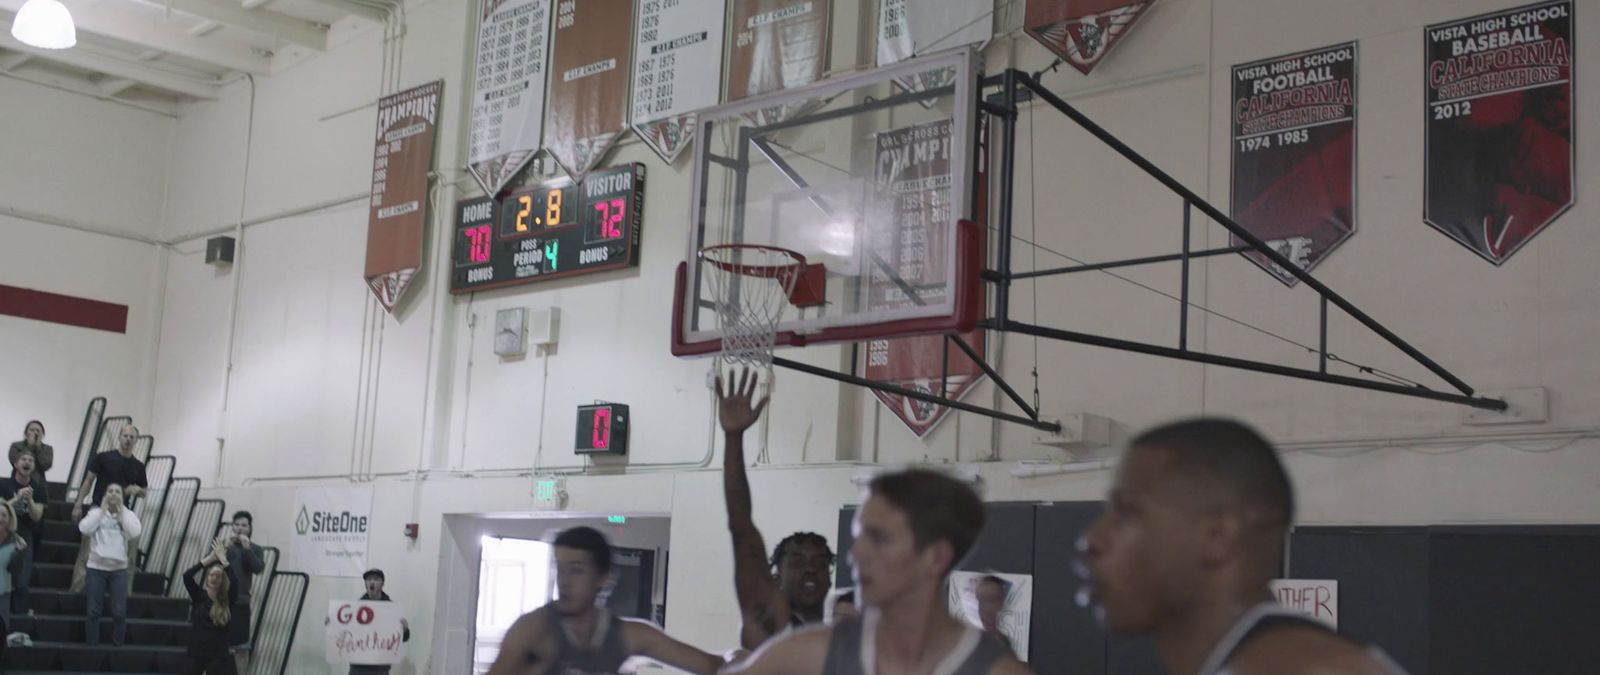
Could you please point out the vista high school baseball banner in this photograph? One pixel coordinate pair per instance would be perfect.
(331, 526)
(1294, 154)
(1499, 129)
(402, 159)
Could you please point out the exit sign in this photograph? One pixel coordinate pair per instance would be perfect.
(549, 493)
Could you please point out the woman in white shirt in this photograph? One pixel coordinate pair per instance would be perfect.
(108, 528)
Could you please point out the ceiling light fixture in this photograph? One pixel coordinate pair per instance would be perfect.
(45, 24)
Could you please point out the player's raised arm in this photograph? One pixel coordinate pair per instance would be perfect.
(762, 605)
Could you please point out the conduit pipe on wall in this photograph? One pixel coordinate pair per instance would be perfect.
(237, 272)
(1037, 469)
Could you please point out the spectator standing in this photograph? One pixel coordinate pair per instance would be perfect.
(118, 467)
(108, 528)
(26, 492)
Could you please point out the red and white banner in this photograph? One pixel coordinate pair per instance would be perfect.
(673, 50)
(398, 216)
(1294, 154)
(1082, 32)
(364, 632)
(589, 63)
(1500, 153)
(914, 177)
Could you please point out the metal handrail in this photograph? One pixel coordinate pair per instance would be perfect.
(93, 416)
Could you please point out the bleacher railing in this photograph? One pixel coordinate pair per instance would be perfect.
(274, 635)
(88, 434)
(167, 540)
(158, 472)
(198, 533)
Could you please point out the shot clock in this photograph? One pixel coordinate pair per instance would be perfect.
(602, 429)
(550, 231)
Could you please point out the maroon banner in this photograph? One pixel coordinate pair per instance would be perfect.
(399, 209)
(589, 65)
(1294, 152)
(914, 173)
(67, 310)
(1499, 131)
(776, 44)
(1082, 32)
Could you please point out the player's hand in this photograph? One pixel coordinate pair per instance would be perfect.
(733, 403)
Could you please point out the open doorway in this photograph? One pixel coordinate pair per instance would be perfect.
(515, 571)
(514, 577)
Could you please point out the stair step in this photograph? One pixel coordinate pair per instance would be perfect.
(140, 606)
(53, 628)
(59, 576)
(81, 658)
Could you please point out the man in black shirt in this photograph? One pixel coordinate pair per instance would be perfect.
(246, 559)
(373, 580)
(27, 495)
(118, 467)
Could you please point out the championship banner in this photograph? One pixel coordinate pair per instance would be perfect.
(1082, 32)
(1294, 154)
(676, 42)
(913, 174)
(364, 632)
(908, 28)
(589, 61)
(508, 89)
(777, 44)
(398, 212)
(330, 531)
(1499, 132)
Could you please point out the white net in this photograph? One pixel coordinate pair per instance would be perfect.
(750, 285)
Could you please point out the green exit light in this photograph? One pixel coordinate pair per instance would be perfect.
(617, 520)
(545, 491)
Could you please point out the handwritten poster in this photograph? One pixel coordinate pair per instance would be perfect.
(364, 633)
(508, 89)
(1316, 598)
(674, 49)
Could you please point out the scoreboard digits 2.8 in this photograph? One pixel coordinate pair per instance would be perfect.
(550, 231)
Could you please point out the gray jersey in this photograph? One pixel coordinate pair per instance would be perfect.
(852, 651)
(604, 654)
(1270, 614)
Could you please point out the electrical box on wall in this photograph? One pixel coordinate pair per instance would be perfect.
(602, 429)
(544, 325)
(219, 251)
(510, 329)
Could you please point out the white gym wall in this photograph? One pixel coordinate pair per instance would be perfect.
(441, 426)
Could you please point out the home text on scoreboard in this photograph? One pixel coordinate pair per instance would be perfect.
(550, 231)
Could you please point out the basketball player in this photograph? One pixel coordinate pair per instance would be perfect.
(914, 527)
(575, 635)
(803, 561)
(1194, 529)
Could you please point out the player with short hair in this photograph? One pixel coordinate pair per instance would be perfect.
(803, 561)
(913, 529)
(1194, 530)
(576, 634)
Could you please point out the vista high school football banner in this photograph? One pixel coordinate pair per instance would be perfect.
(1294, 152)
(331, 526)
(1499, 129)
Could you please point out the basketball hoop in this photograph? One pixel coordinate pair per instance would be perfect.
(749, 284)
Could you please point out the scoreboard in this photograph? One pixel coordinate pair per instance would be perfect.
(549, 231)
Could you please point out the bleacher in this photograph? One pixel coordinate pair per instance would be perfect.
(179, 529)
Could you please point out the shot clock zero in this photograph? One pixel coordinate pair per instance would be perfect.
(550, 231)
